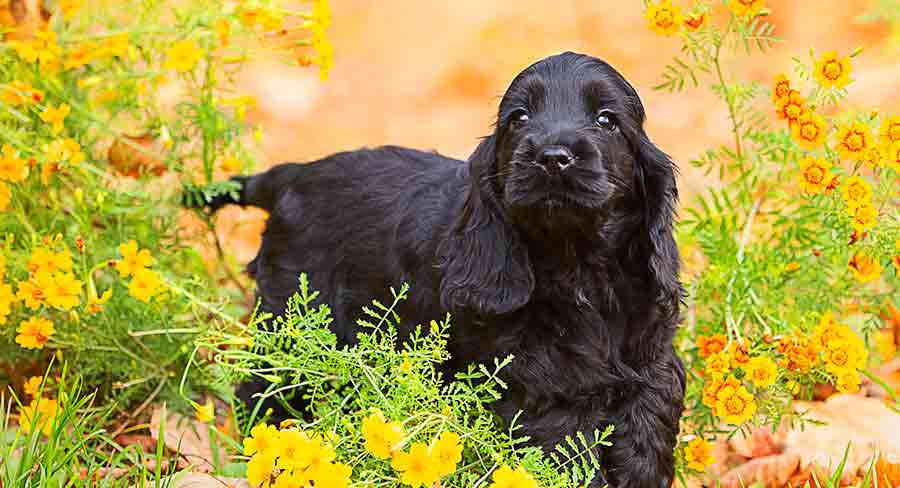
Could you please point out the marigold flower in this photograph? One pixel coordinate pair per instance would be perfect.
(815, 175)
(734, 404)
(7, 298)
(506, 477)
(847, 381)
(114, 46)
(133, 259)
(332, 475)
(260, 469)
(69, 8)
(833, 71)
(33, 386)
(890, 130)
(718, 364)
(695, 21)
(56, 116)
(762, 371)
(65, 150)
(34, 333)
(864, 267)
(204, 413)
(781, 88)
(263, 438)
(320, 456)
(183, 56)
(664, 18)
(43, 49)
(853, 140)
(864, 217)
(223, 31)
(63, 291)
(884, 344)
(709, 345)
(711, 389)
(856, 192)
(295, 450)
(810, 130)
(144, 285)
(747, 8)
(790, 107)
(292, 479)
(31, 291)
(20, 93)
(800, 353)
(82, 55)
(12, 167)
(791, 267)
(698, 454)
(45, 260)
(5, 196)
(447, 453)
(872, 157)
(382, 437)
(890, 155)
(416, 467)
(40, 414)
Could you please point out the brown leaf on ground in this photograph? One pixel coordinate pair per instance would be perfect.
(866, 424)
(202, 480)
(133, 156)
(147, 443)
(760, 443)
(187, 437)
(769, 471)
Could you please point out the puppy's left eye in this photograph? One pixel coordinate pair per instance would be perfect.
(606, 120)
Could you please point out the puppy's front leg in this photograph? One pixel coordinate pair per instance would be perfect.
(647, 429)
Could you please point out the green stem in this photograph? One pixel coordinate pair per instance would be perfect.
(732, 110)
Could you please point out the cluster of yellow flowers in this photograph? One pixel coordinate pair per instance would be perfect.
(666, 19)
(729, 399)
(698, 454)
(292, 458)
(41, 412)
(135, 262)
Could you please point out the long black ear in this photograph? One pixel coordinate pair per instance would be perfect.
(655, 180)
(486, 268)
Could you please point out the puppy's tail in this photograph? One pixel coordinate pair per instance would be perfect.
(259, 190)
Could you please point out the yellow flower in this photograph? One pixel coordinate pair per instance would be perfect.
(847, 381)
(63, 291)
(260, 469)
(815, 175)
(853, 140)
(324, 53)
(864, 217)
(782, 88)
(712, 389)
(56, 116)
(292, 479)
(7, 298)
(34, 333)
(664, 18)
(417, 468)
(5, 196)
(31, 291)
(695, 21)
(95, 303)
(82, 55)
(865, 268)
(114, 46)
(45, 260)
(332, 475)
(262, 439)
(856, 192)
(64, 151)
(133, 259)
(69, 8)
(790, 107)
(506, 477)
(40, 414)
(43, 49)
(12, 167)
(885, 345)
(33, 386)
(747, 8)
(447, 452)
(183, 56)
(698, 454)
(890, 130)
(833, 71)
(890, 155)
(382, 437)
(734, 404)
(18, 93)
(762, 371)
(223, 31)
(204, 413)
(810, 130)
(828, 330)
(791, 267)
(718, 364)
(144, 285)
(241, 105)
(710, 345)
(871, 157)
(294, 449)
(406, 367)
(321, 455)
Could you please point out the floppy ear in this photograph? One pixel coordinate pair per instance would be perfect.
(655, 175)
(486, 268)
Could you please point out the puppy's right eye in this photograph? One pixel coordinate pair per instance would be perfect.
(519, 116)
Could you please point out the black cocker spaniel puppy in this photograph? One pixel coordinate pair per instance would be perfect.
(552, 243)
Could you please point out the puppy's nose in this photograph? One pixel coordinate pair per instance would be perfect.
(555, 158)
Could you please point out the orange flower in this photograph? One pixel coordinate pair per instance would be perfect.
(698, 454)
(856, 192)
(19, 93)
(864, 217)
(12, 167)
(853, 140)
(890, 155)
(871, 157)
(833, 71)
(695, 21)
(711, 344)
(762, 371)
(847, 381)
(718, 364)
(734, 404)
(815, 175)
(890, 130)
(747, 8)
(782, 88)
(810, 130)
(664, 18)
(865, 268)
(34, 333)
(799, 353)
(55, 117)
(790, 107)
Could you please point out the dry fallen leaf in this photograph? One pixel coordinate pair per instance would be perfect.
(185, 436)
(133, 156)
(761, 443)
(768, 471)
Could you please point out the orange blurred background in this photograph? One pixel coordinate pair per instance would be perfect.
(428, 74)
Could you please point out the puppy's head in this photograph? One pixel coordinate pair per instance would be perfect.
(569, 154)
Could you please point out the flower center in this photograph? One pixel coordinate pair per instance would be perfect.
(781, 90)
(814, 175)
(809, 131)
(894, 132)
(854, 142)
(664, 18)
(833, 70)
(856, 193)
(793, 111)
(734, 405)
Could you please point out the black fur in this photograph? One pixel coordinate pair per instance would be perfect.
(571, 268)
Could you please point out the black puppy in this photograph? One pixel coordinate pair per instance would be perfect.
(553, 243)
